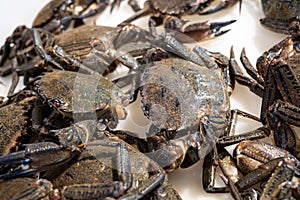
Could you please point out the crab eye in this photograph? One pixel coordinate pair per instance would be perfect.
(57, 104)
(25, 123)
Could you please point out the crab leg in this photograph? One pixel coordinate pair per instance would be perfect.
(211, 58)
(86, 191)
(257, 175)
(280, 96)
(15, 77)
(285, 111)
(280, 116)
(100, 149)
(259, 133)
(268, 93)
(284, 172)
(121, 155)
(121, 159)
(237, 195)
(231, 175)
(284, 190)
(250, 69)
(40, 49)
(281, 170)
(148, 186)
(213, 160)
(287, 82)
(259, 161)
(220, 157)
(123, 165)
(252, 84)
(209, 172)
(174, 46)
(62, 54)
(25, 188)
(32, 159)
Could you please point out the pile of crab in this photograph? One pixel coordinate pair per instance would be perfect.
(59, 136)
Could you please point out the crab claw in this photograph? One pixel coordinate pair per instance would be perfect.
(222, 5)
(215, 27)
(203, 30)
(35, 158)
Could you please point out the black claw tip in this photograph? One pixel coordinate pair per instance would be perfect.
(219, 25)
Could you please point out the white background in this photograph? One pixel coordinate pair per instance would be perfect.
(246, 32)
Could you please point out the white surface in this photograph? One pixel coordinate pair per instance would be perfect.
(246, 32)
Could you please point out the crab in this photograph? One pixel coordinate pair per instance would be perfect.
(279, 14)
(287, 50)
(57, 15)
(95, 52)
(185, 95)
(25, 118)
(88, 163)
(82, 96)
(170, 12)
(276, 80)
(54, 18)
(254, 162)
(98, 50)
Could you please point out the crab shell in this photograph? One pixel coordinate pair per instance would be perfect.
(176, 7)
(83, 46)
(47, 12)
(25, 188)
(86, 96)
(279, 14)
(13, 124)
(12, 120)
(177, 94)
